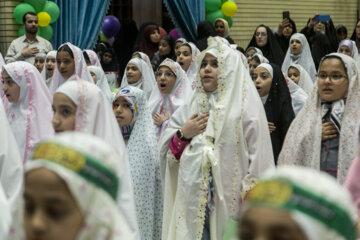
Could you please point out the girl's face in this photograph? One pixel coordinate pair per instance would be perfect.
(133, 73)
(294, 74)
(165, 79)
(220, 28)
(39, 63)
(50, 66)
(65, 64)
(209, 73)
(345, 50)
(263, 81)
(177, 46)
(94, 77)
(269, 224)
(319, 26)
(295, 46)
(50, 211)
(184, 57)
(252, 66)
(107, 58)
(122, 111)
(261, 36)
(249, 54)
(64, 113)
(164, 48)
(333, 82)
(10, 88)
(155, 36)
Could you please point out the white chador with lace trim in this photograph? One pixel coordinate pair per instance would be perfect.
(236, 147)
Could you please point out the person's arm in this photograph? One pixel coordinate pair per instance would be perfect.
(177, 145)
(12, 55)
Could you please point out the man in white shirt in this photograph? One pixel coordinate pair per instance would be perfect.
(25, 48)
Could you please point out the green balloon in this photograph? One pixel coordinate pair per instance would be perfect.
(52, 9)
(21, 31)
(229, 20)
(103, 37)
(37, 4)
(20, 10)
(46, 32)
(212, 5)
(212, 16)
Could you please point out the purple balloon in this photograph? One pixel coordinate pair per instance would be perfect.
(175, 33)
(111, 26)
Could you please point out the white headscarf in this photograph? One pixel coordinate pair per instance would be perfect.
(181, 92)
(226, 26)
(302, 145)
(97, 201)
(30, 117)
(94, 60)
(305, 81)
(101, 81)
(146, 81)
(11, 167)
(80, 69)
(325, 211)
(2, 61)
(94, 115)
(47, 79)
(353, 49)
(258, 51)
(144, 165)
(232, 153)
(298, 95)
(193, 69)
(261, 58)
(304, 58)
(146, 59)
(268, 67)
(6, 218)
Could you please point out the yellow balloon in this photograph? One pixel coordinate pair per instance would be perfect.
(229, 8)
(43, 19)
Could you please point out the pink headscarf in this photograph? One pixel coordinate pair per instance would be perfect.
(94, 60)
(29, 117)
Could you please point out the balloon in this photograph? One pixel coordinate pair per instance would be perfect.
(52, 9)
(175, 33)
(211, 17)
(43, 19)
(103, 37)
(20, 10)
(212, 5)
(37, 4)
(229, 9)
(111, 26)
(229, 20)
(21, 31)
(46, 32)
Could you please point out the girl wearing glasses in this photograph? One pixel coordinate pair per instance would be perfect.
(322, 135)
(173, 90)
(265, 40)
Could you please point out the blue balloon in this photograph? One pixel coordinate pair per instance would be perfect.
(111, 26)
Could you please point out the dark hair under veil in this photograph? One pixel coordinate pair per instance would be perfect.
(271, 50)
(123, 44)
(279, 110)
(113, 65)
(284, 42)
(354, 38)
(204, 29)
